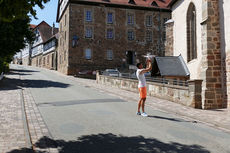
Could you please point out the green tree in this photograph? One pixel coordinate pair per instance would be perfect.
(15, 17)
(17, 9)
(14, 36)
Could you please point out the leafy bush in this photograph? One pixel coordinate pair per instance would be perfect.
(4, 66)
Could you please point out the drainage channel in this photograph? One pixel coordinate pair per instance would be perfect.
(24, 118)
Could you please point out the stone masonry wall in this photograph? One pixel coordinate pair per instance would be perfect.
(37, 61)
(25, 60)
(99, 44)
(48, 60)
(63, 43)
(228, 79)
(211, 56)
(189, 96)
(169, 38)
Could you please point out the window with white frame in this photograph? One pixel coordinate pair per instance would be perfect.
(149, 36)
(110, 34)
(110, 17)
(149, 20)
(130, 34)
(88, 16)
(88, 54)
(109, 54)
(130, 18)
(88, 32)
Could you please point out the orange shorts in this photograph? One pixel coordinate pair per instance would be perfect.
(143, 92)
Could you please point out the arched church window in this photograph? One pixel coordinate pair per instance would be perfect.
(191, 33)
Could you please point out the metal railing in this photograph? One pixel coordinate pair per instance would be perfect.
(154, 79)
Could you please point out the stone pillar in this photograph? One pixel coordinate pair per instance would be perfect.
(97, 76)
(228, 79)
(169, 38)
(225, 53)
(195, 93)
(211, 56)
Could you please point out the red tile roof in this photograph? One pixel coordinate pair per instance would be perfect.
(45, 30)
(142, 3)
(163, 3)
(158, 4)
(32, 26)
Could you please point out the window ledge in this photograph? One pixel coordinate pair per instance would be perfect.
(193, 61)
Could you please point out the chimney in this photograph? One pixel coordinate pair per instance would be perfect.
(53, 28)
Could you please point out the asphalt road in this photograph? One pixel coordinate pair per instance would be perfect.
(85, 120)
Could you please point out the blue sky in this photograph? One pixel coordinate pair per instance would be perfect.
(47, 14)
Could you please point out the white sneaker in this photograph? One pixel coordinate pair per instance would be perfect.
(144, 114)
(138, 113)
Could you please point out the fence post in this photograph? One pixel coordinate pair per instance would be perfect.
(97, 76)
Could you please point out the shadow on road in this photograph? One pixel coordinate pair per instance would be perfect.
(110, 143)
(169, 119)
(17, 73)
(78, 102)
(22, 71)
(13, 83)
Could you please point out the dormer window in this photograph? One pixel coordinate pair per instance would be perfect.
(132, 2)
(154, 4)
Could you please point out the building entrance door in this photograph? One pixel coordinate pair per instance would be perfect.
(130, 56)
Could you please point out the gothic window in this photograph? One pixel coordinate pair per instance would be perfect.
(191, 33)
(164, 28)
(65, 19)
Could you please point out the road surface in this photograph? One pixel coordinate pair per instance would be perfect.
(85, 120)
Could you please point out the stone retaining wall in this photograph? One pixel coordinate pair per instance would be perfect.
(189, 96)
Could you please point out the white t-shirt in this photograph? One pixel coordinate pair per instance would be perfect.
(141, 78)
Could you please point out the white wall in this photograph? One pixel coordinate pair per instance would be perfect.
(226, 9)
(25, 51)
(179, 14)
(37, 46)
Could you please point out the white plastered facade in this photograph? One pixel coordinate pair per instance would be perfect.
(179, 16)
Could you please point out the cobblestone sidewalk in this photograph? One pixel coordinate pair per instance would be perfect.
(12, 133)
(14, 137)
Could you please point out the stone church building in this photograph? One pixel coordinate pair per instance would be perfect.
(199, 31)
(100, 34)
